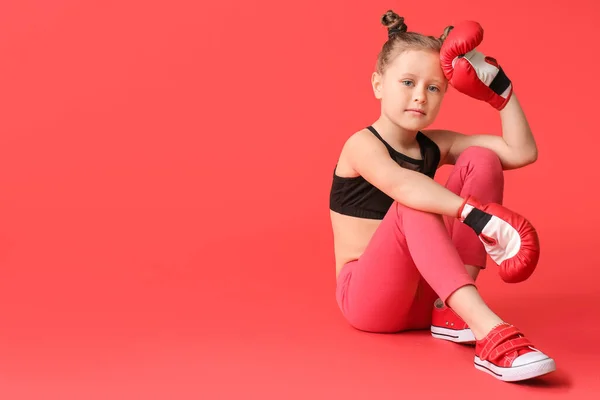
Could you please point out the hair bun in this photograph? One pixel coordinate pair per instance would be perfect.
(393, 22)
(446, 32)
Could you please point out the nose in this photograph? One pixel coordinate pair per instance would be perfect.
(420, 95)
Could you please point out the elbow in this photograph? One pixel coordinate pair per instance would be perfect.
(521, 159)
(529, 157)
(532, 156)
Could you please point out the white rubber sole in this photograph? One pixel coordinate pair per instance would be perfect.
(513, 374)
(453, 335)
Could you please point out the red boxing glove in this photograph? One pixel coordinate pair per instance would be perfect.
(509, 239)
(471, 72)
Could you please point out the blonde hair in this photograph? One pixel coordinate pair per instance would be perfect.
(399, 40)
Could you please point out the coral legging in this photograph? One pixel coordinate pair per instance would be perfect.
(415, 257)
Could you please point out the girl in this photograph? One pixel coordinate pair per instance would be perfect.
(406, 256)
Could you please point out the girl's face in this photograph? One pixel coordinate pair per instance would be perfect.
(411, 89)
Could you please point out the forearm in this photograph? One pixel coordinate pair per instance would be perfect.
(420, 192)
(516, 131)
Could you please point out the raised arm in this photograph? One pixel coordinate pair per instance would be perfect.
(473, 73)
(516, 147)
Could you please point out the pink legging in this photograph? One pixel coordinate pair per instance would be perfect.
(415, 257)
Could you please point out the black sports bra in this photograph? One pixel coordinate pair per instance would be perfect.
(356, 197)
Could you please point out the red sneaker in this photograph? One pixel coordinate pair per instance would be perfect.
(507, 355)
(447, 325)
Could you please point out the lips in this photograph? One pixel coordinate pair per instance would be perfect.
(416, 110)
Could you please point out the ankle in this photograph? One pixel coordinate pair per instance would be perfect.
(482, 328)
(468, 304)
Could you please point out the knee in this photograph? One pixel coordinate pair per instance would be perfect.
(479, 155)
(480, 158)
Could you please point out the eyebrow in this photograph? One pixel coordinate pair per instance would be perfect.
(408, 74)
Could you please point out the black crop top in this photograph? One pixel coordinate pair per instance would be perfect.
(356, 197)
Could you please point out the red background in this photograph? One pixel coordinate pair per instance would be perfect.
(164, 179)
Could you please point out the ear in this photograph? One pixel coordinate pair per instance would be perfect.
(376, 82)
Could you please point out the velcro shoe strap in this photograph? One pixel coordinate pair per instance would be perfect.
(496, 337)
(511, 345)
